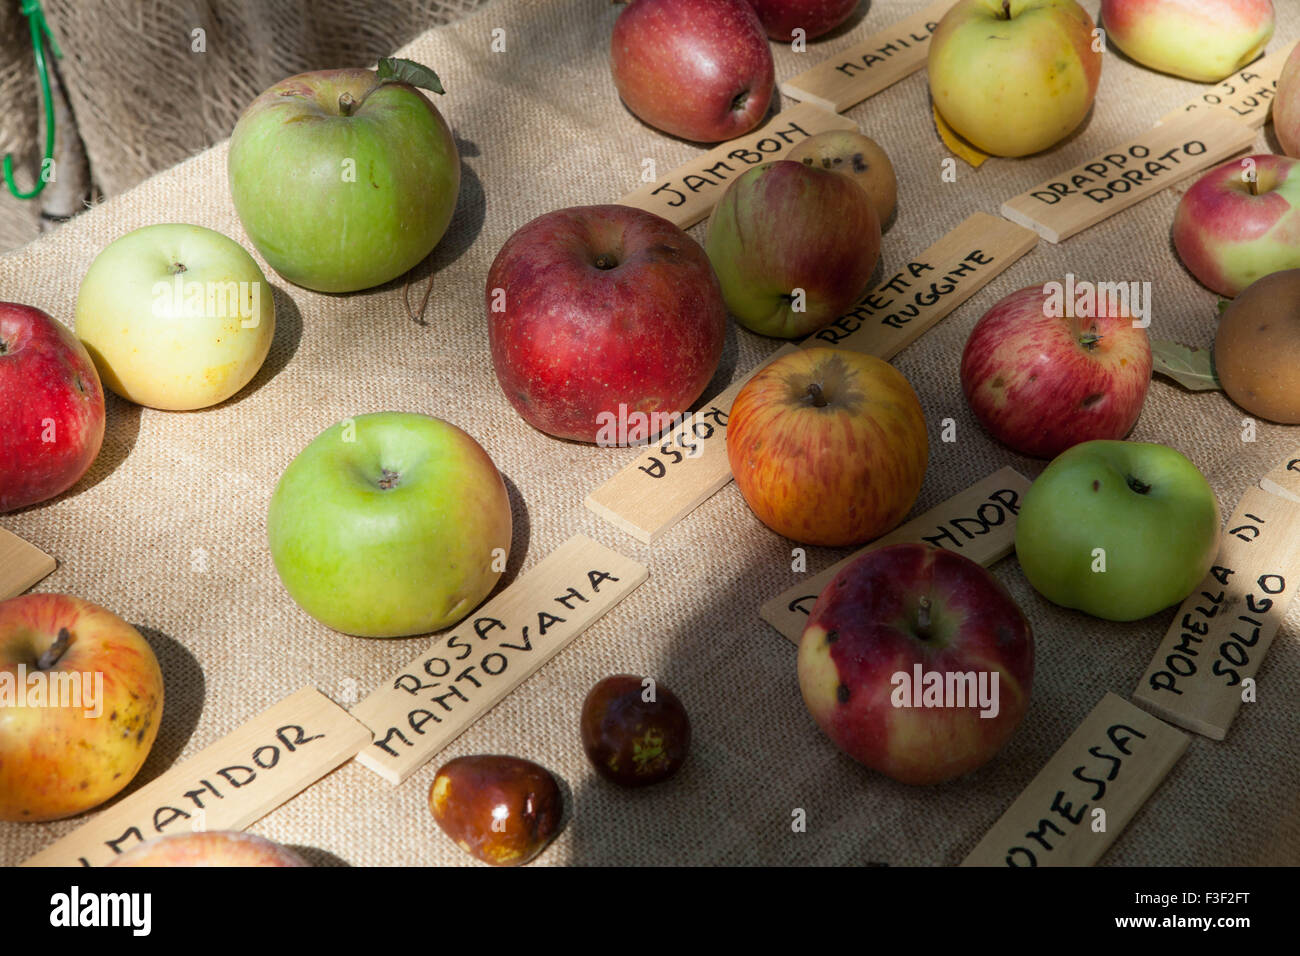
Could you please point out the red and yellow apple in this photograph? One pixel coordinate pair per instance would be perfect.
(209, 848)
(1202, 40)
(1014, 76)
(51, 407)
(1045, 369)
(794, 247)
(828, 446)
(698, 69)
(81, 695)
(1240, 222)
(595, 310)
(917, 663)
(858, 158)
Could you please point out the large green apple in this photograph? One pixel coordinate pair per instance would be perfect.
(345, 179)
(390, 524)
(1014, 76)
(1118, 529)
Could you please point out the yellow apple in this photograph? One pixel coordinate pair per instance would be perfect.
(175, 316)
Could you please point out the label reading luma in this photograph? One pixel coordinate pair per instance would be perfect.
(440, 693)
(1200, 673)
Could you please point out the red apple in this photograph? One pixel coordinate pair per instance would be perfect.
(1286, 106)
(209, 848)
(698, 69)
(780, 18)
(1240, 222)
(1054, 365)
(601, 311)
(912, 611)
(51, 407)
(100, 699)
(828, 446)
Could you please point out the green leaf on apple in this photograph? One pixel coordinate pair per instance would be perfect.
(408, 71)
(1192, 368)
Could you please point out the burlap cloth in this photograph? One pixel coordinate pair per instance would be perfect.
(168, 529)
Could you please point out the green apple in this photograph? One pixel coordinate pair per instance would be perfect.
(1118, 529)
(175, 316)
(1014, 76)
(390, 524)
(345, 179)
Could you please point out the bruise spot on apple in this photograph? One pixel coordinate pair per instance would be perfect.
(1096, 485)
(842, 693)
(860, 164)
(832, 637)
(1091, 400)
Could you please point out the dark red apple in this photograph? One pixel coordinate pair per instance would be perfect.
(781, 18)
(51, 407)
(698, 69)
(917, 663)
(602, 312)
(1044, 371)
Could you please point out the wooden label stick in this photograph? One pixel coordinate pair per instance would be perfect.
(226, 786)
(1247, 95)
(687, 194)
(462, 676)
(1284, 479)
(22, 565)
(866, 68)
(895, 313)
(1085, 796)
(675, 475)
(980, 523)
(1117, 179)
(1206, 664)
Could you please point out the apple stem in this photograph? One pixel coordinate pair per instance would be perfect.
(1089, 340)
(55, 650)
(815, 393)
(347, 104)
(923, 620)
(1006, 9)
(1141, 487)
(1254, 186)
(389, 479)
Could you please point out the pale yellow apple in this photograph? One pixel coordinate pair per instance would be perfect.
(175, 316)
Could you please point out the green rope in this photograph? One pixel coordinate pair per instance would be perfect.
(31, 9)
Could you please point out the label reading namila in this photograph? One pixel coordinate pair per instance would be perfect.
(688, 193)
(870, 66)
(1284, 479)
(1117, 179)
(22, 565)
(1247, 95)
(1085, 796)
(440, 693)
(226, 786)
(980, 523)
(896, 312)
(675, 475)
(1205, 667)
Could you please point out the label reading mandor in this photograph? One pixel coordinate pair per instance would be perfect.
(1284, 479)
(676, 474)
(1247, 95)
(868, 67)
(980, 523)
(896, 312)
(1087, 793)
(1200, 673)
(22, 565)
(1117, 179)
(440, 693)
(688, 193)
(228, 785)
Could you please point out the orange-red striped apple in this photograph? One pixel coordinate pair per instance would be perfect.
(1047, 368)
(51, 407)
(828, 446)
(81, 696)
(917, 663)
